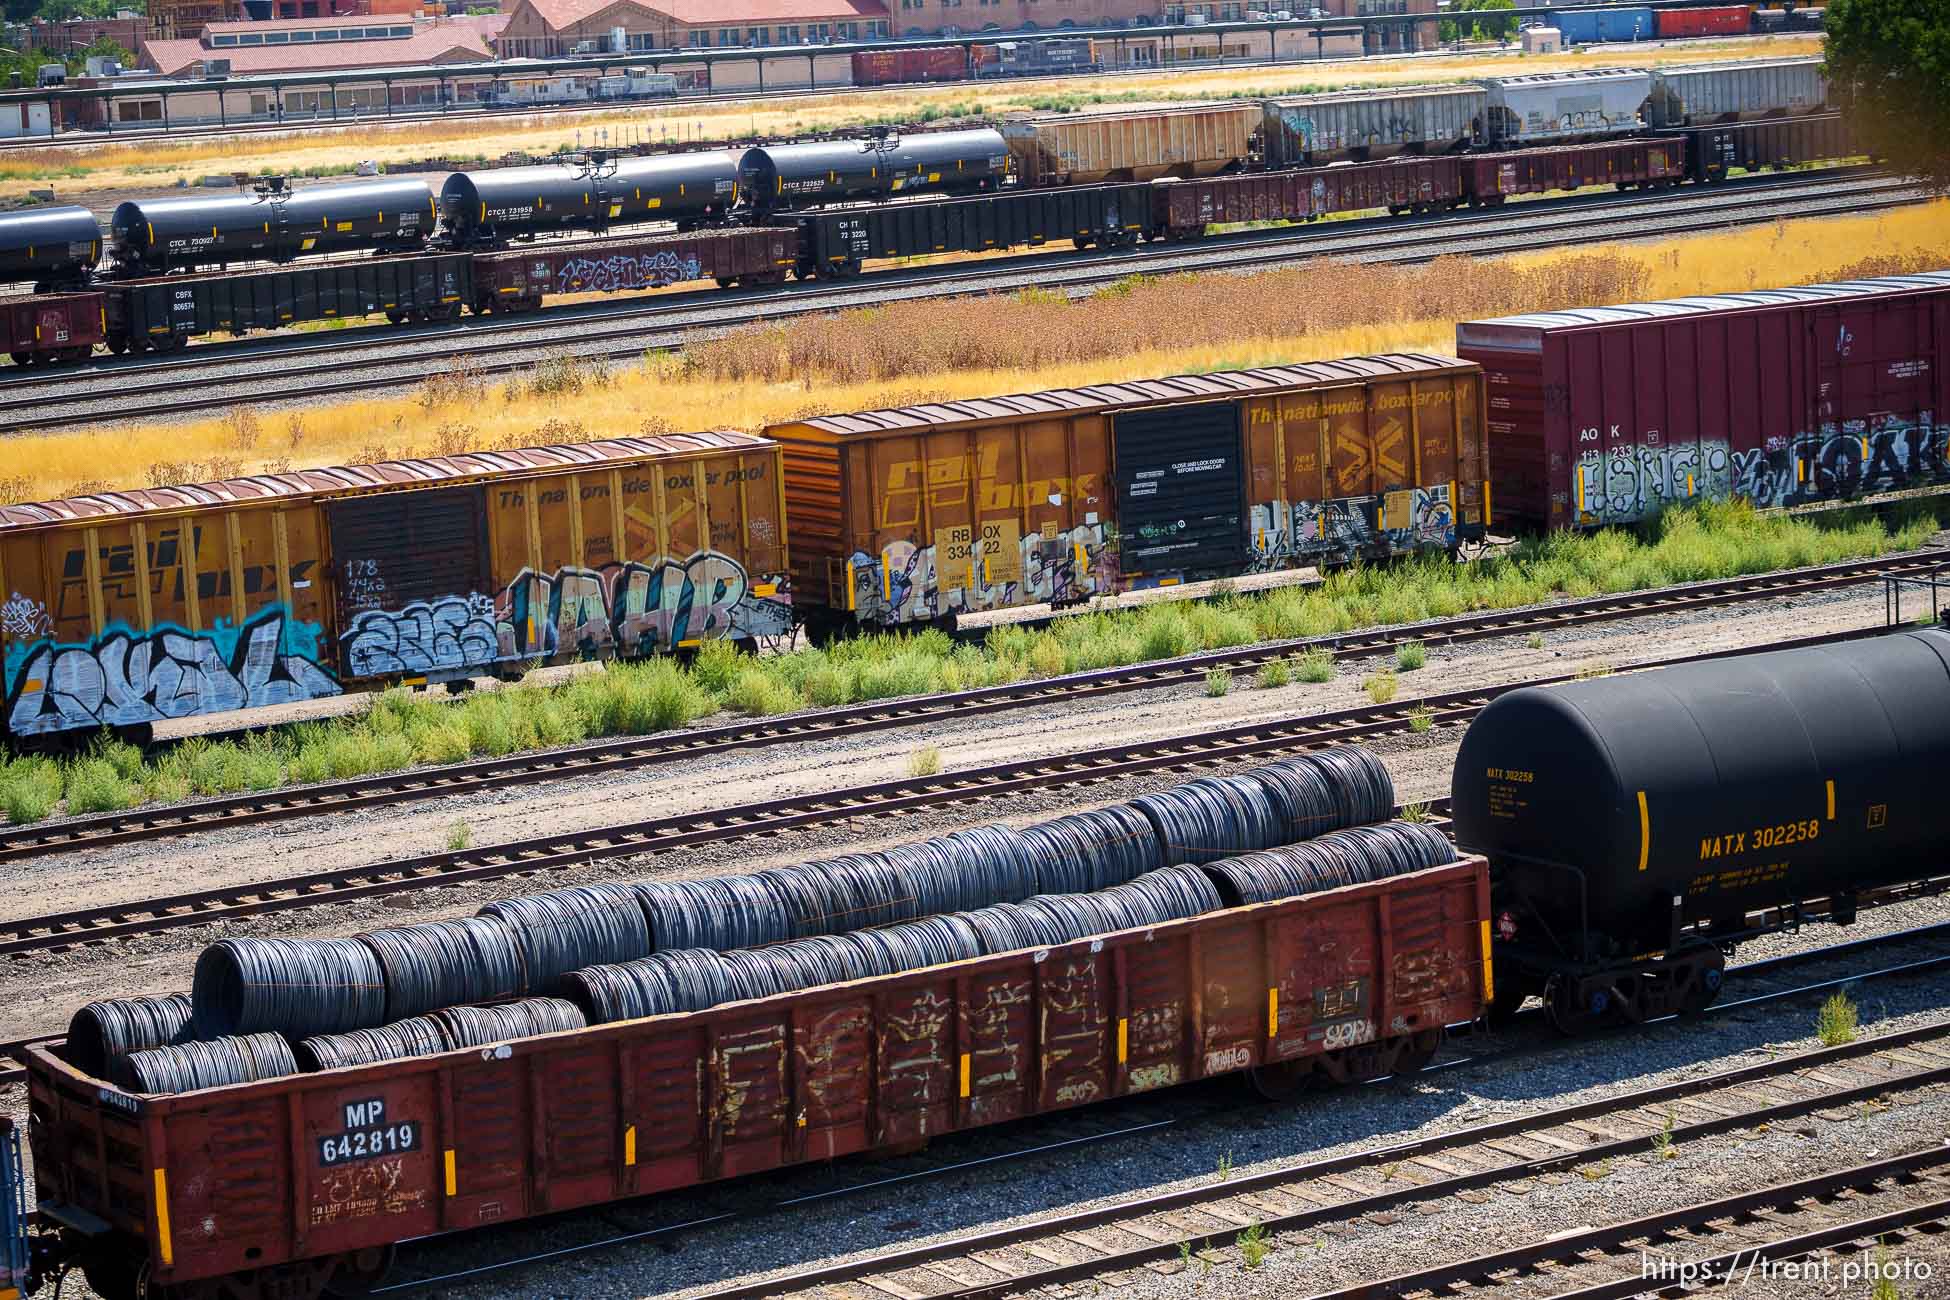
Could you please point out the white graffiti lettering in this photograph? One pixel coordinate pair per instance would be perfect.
(634, 608)
(900, 585)
(24, 618)
(624, 271)
(428, 636)
(123, 680)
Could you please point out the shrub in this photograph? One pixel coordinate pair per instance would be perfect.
(1217, 682)
(459, 836)
(1837, 1021)
(925, 761)
(1411, 655)
(1381, 687)
(1420, 719)
(94, 785)
(29, 789)
(1274, 673)
(1316, 665)
(717, 665)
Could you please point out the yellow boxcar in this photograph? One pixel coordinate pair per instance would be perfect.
(127, 608)
(929, 512)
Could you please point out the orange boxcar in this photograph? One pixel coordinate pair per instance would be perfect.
(929, 512)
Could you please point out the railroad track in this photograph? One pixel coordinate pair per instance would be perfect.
(1788, 1221)
(62, 931)
(1165, 1231)
(1130, 1118)
(622, 755)
(624, 330)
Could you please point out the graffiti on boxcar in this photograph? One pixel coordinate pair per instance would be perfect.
(364, 1191)
(1631, 482)
(624, 271)
(25, 619)
(902, 585)
(127, 677)
(427, 636)
(627, 609)
(634, 608)
(1312, 532)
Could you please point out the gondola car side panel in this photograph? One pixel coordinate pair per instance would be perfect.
(309, 1168)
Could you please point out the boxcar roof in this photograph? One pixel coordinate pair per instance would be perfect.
(1112, 397)
(1581, 317)
(359, 480)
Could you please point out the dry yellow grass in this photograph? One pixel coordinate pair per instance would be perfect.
(973, 347)
(113, 166)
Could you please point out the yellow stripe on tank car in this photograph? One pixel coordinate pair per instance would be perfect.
(163, 1238)
(1645, 832)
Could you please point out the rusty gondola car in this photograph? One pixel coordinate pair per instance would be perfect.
(287, 1186)
(128, 608)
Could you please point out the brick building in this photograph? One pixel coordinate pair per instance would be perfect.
(551, 28)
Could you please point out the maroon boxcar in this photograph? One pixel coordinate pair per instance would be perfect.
(875, 67)
(1492, 178)
(933, 63)
(519, 279)
(298, 1179)
(1786, 397)
(1184, 208)
(52, 327)
(1720, 20)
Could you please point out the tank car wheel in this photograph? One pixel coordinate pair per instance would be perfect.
(358, 1273)
(1415, 1053)
(1704, 986)
(1572, 1012)
(118, 345)
(115, 1276)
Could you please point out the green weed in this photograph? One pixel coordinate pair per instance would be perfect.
(1217, 682)
(925, 761)
(1274, 673)
(1411, 655)
(1253, 1245)
(1316, 665)
(1837, 1021)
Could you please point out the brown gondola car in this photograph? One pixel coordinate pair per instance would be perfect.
(1401, 185)
(282, 1187)
(520, 278)
(51, 327)
(128, 608)
(1625, 164)
(929, 512)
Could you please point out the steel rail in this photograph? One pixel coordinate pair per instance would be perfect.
(622, 755)
(62, 931)
(44, 410)
(1486, 1273)
(1175, 1120)
(1433, 1179)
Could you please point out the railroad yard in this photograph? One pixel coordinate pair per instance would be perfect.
(1332, 690)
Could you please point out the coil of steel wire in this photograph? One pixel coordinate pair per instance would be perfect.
(504, 1022)
(298, 987)
(446, 963)
(217, 1063)
(415, 1036)
(566, 929)
(102, 1033)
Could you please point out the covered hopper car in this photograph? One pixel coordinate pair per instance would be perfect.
(127, 608)
(1635, 823)
(1787, 397)
(288, 1186)
(930, 512)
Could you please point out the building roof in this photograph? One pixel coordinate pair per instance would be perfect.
(706, 13)
(350, 480)
(557, 15)
(451, 40)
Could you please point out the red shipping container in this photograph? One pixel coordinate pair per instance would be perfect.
(1403, 184)
(1786, 397)
(1726, 20)
(1625, 163)
(292, 1178)
(875, 67)
(51, 327)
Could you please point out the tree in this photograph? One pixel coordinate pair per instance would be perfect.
(1889, 67)
(1484, 29)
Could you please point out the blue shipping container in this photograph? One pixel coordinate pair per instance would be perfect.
(1595, 26)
